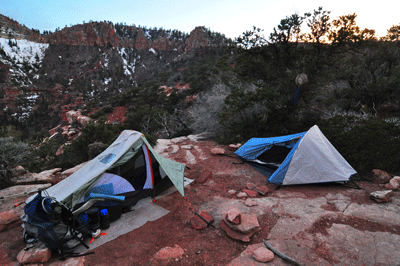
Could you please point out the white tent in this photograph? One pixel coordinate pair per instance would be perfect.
(311, 158)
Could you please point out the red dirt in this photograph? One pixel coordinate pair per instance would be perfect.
(210, 246)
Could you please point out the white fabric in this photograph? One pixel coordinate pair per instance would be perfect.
(316, 161)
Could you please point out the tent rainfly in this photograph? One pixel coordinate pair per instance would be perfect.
(306, 157)
(130, 164)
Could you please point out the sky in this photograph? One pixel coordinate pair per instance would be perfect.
(229, 17)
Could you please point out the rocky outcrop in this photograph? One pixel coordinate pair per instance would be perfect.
(240, 226)
(93, 33)
(198, 38)
(17, 30)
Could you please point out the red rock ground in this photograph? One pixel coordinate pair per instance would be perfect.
(210, 246)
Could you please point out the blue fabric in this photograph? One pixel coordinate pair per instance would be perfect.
(106, 189)
(296, 96)
(257, 146)
(252, 149)
(108, 197)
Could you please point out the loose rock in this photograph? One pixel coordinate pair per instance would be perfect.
(217, 151)
(250, 193)
(198, 224)
(394, 183)
(382, 196)
(34, 255)
(263, 255)
(241, 195)
(233, 216)
(380, 176)
(168, 253)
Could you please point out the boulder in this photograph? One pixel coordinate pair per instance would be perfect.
(380, 176)
(18, 171)
(382, 196)
(84, 120)
(72, 115)
(34, 255)
(394, 183)
(263, 254)
(34, 178)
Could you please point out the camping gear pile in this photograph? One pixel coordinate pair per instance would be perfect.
(77, 208)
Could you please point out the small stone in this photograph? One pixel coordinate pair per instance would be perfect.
(241, 195)
(382, 196)
(263, 255)
(217, 151)
(250, 193)
(234, 147)
(231, 192)
(187, 147)
(233, 216)
(250, 186)
(263, 190)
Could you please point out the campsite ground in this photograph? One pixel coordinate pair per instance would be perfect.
(326, 224)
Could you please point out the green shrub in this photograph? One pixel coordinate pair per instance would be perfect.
(13, 153)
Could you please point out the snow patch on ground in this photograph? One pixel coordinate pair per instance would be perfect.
(20, 55)
(129, 68)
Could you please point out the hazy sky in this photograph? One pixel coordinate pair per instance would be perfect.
(230, 17)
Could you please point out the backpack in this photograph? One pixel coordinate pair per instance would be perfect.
(49, 223)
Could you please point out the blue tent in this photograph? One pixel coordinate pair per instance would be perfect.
(309, 158)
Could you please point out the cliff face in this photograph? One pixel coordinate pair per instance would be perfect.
(100, 34)
(105, 34)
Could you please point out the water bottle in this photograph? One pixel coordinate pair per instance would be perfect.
(104, 219)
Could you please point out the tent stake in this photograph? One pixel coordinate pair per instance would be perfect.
(281, 255)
